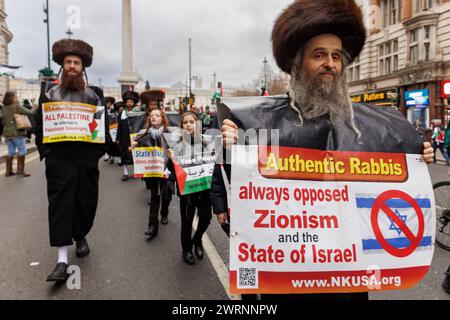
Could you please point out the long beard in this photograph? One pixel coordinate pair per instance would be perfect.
(72, 83)
(317, 97)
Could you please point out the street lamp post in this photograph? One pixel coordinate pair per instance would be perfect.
(47, 21)
(265, 72)
(190, 67)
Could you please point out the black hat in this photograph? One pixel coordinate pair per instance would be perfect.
(65, 47)
(130, 95)
(306, 19)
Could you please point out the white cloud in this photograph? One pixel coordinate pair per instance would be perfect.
(229, 37)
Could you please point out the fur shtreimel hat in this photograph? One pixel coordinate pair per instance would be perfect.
(110, 100)
(130, 95)
(118, 105)
(152, 95)
(79, 48)
(305, 19)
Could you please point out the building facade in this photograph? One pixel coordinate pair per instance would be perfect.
(406, 59)
(5, 39)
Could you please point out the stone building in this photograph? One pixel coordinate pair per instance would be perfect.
(406, 59)
(5, 38)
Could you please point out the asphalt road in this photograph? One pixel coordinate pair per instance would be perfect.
(122, 264)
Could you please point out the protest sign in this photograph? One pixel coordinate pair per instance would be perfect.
(73, 121)
(314, 221)
(148, 160)
(194, 166)
(113, 125)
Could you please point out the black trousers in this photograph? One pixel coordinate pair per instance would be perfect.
(188, 203)
(72, 190)
(166, 198)
(156, 187)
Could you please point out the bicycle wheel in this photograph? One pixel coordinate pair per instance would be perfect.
(442, 199)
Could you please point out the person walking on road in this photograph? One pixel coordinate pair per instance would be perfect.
(189, 203)
(157, 124)
(438, 139)
(14, 137)
(130, 99)
(314, 42)
(71, 166)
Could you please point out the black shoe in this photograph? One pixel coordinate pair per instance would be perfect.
(59, 273)
(111, 161)
(82, 248)
(446, 282)
(125, 177)
(151, 233)
(198, 249)
(188, 257)
(164, 220)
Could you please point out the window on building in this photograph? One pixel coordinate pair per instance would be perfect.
(414, 46)
(427, 52)
(427, 32)
(350, 74)
(387, 65)
(391, 12)
(421, 5)
(414, 36)
(420, 45)
(388, 57)
(414, 54)
(354, 70)
(394, 9)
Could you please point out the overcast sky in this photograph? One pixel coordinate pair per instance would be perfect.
(229, 37)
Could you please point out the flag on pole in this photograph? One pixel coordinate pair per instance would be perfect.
(7, 70)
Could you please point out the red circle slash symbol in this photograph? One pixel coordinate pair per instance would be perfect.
(380, 205)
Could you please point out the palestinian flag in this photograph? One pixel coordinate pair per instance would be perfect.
(194, 175)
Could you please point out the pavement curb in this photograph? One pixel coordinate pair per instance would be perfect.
(29, 151)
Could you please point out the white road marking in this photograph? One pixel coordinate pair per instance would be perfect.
(217, 263)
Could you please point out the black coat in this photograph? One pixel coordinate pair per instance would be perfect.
(123, 138)
(86, 152)
(71, 171)
(383, 129)
(113, 147)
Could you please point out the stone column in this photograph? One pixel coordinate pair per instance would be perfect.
(375, 16)
(406, 10)
(128, 79)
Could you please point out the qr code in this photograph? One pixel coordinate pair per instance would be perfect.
(248, 278)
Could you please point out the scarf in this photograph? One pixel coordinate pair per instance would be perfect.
(156, 133)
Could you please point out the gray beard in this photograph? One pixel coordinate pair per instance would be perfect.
(316, 97)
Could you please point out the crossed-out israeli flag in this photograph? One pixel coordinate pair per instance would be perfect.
(393, 234)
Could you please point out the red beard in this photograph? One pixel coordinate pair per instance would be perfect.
(75, 83)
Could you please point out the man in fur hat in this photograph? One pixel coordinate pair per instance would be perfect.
(314, 41)
(130, 99)
(109, 105)
(152, 99)
(71, 167)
